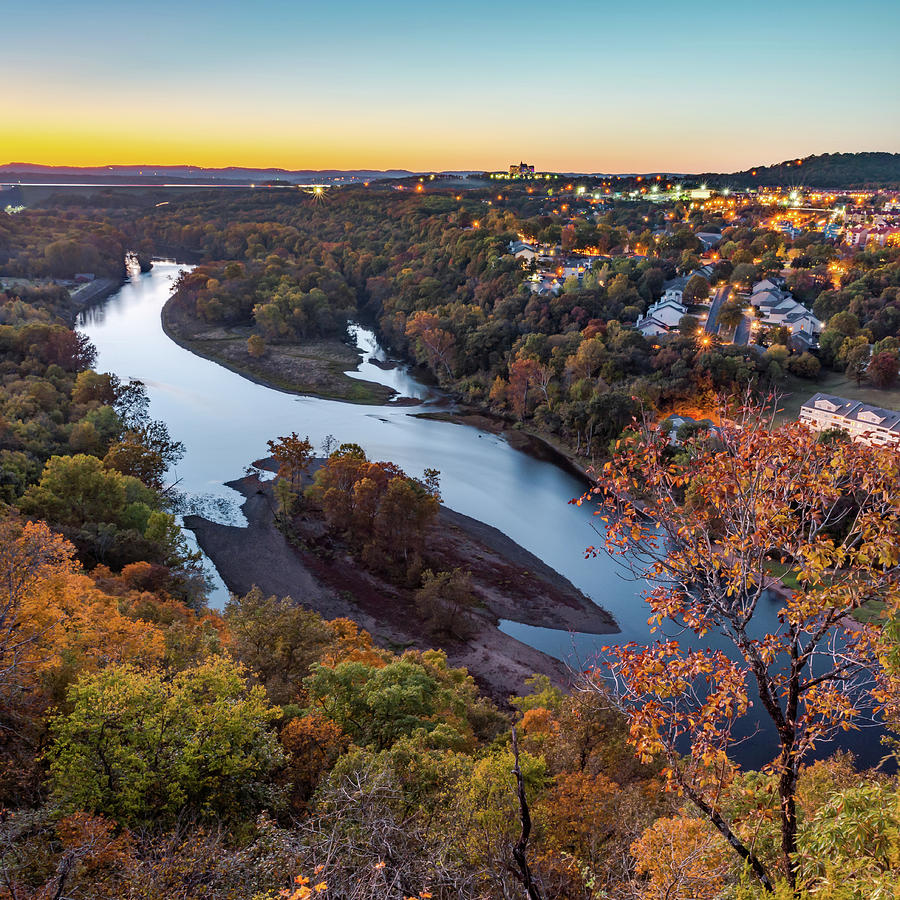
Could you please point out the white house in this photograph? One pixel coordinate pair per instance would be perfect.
(672, 295)
(867, 424)
(777, 307)
(668, 310)
(663, 316)
(772, 283)
(651, 327)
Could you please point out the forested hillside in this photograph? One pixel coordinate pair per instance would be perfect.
(827, 170)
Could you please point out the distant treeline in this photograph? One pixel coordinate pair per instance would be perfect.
(829, 170)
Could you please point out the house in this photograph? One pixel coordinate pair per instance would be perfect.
(802, 321)
(524, 251)
(649, 326)
(777, 307)
(801, 342)
(521, 169)
(674, 423)
(709, 239)
(672, 295)
(543, 283)
(574, 266)
(863, 422)
(884, 235)
(663, 316)
(772, 283)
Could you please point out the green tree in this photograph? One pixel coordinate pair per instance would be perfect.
(377, 706)
(856, 355)
(731, 314)
(696, 290)
(144, 747)
(277, 639)
(74, 490)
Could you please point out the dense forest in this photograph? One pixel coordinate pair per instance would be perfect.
(450, 296)
(152, 747)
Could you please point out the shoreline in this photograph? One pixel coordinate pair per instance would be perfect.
(538, 446)
(534, 444)
(510, 582)
(169, 328)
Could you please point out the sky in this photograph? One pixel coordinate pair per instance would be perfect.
(569, 85)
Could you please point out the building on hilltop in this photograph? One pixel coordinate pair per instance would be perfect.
(521, 169)
(863, 422)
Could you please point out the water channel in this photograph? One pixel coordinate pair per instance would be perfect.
(225, 420)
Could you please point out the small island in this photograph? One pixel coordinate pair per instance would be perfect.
(351, 538)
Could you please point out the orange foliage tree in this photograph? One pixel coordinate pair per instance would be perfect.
(30, 553)
(683, 859)
(312, 744)
(710, 529)
(293, 455)
(432, 342)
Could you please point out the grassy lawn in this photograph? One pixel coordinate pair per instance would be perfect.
(785, 573)
(798, 390)
(871, 612)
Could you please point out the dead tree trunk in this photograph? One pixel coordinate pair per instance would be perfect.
(519, 849)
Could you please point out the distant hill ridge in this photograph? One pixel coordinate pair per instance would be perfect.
(227, 173)
(827, 170)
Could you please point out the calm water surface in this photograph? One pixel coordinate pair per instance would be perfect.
(225, 420)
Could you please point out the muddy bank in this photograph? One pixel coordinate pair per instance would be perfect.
(509, 582)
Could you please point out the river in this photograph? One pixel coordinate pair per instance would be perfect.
(225, 421)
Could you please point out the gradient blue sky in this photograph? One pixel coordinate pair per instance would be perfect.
(586, 86)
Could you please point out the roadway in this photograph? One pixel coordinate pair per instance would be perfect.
(742, 332)
(721, 296)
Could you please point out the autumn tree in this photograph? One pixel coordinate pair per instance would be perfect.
(30, 554)
(277, 639)
(381, 509)
(434, 343)
(883, 368)
(524, 374)
(256, 346)
(293, 455)
(312, 744)
(683, 859)
(711, 531)
(444, 599)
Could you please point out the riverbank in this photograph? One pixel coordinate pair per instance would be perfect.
(315, 368)
(509, 582)
(94, 292)
(540, 446)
